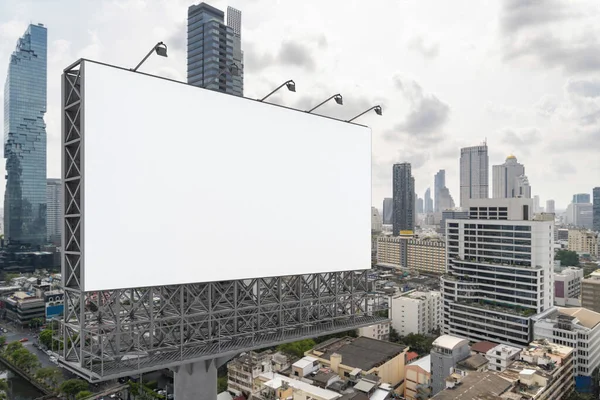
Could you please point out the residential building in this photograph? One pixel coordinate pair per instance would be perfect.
(581, 198)
(446, 352)
(427, 255)
(22, 307)
(388, 210)
(580, 215)
(416, 312)
(578, 328)
(378, 331)
(428, 202)
(392, 250)
(500, 270)
(590, 293)
(584, 242)
(550, 208)
(214, 55)
(482, 347)
(439, 182)
(418, 379)
(567, 287)
(509, 180)
(475, 386)
(451, 214)
(243, 371)
(474, 173)
(305, 366)
(25, 139)
(596, 209)
(404, 199)
(473, 363)
(501, 356)
(53, 210)
(346, 356)
(376, 220)
(279, 387)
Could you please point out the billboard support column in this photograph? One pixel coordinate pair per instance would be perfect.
(198, 380)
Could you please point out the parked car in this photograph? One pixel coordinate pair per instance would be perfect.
(24, 340)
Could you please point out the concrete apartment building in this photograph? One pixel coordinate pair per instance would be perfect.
(590, 292)
(418, 379)
(377, 331)
(501, 356)
(578, 328)
(567, 287)
(243, 371)
(22, 307)
(500, 271)
(351, 358)
(426, 255)
(445, 354)
(583, 242)
(416, 312)
(391, 250)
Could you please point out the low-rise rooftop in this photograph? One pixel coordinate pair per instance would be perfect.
(473, 362)
(483, 347)
(449, 342)
(587, 318)
(477, 386)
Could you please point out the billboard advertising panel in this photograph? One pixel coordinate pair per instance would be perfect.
(183, 185)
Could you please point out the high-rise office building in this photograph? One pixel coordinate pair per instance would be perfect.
(474, 173)
(439, 182)
(214, 54)
(581, 198)
(500, 265)
(550, 206)
(428, 202)
(509, 180)
(53, 215)
(420, 205)
(404, 198)
(388, 210)
(446, 202)
(580, 215)
(596, 209)
(25, 139)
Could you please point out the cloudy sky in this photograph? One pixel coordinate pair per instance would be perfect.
(522, 74)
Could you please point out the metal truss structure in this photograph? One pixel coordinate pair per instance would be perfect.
(114, 333)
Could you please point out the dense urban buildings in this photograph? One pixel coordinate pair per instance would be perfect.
(596, 209)
(451, 214)
(509, 180)
(590, 292)
(25, 139)
(580, 215)
(388, 210)
(426, 255)
(584, 242)
(418, 379)
(550, 208)
(392, 250)
(214, 55)
(439, 182)
(428, 202)
(567, 287)
(404, 198)
(500, 264)
(446, 202)
(581, 198)
(376, 221)
(445, 353)
(416, 312)
(53, 213)
(474, 173)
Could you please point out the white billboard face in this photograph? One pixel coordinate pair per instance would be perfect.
(185, 185)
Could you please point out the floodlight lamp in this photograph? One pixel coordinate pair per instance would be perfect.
(338, 99)
(161, 49)
(378, 110)
(291, 85)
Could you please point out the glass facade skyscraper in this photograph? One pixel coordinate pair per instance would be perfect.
(214, 53)
(25, 139)
(403, 186)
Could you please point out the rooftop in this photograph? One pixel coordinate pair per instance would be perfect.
(362, 352)
(276, 381)
(476, 386)
(304, 362)
(587, 318)
(449, 342)
(483, 347)
(504, 349)
(424, 363)
(474, 362)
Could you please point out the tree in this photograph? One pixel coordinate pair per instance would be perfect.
(49, 375)
(418, 343)
(3, 389)
(12, 347)
(72, 387)
(221, 384)
(2, 340)
(10, 277)
(83, 394)
(567, 258)
(36, 322)
(394, 335)
(24, 359)
(297, 348)
(45, 338)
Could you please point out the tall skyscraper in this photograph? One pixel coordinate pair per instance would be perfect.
(445, 202)
(500, 263)
(550, 206)
(25, 139)
(420, 205)
(53, 216)
(536, 204)
(214, 54)
(474, 173)
(596, 209)
(388, 210)
(581, 198)
(439, 182)
(428, 201)
(509, 180)
(404, 199)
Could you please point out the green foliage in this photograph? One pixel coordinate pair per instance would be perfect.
(394, 335)
(143, 392)
(579, 396)
(297, 348)
(36, 322)
(3, 389)
(567, 258)
(420, 344)
(151, 385)
(10, 277)
(2, 340)
(45, 338)
(83, 394)
(72, 387)
(49, 376)
(24, 359)
(352, 333)
(12, 347)
(221, 384)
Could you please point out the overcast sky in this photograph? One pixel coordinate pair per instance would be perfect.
(523, 75)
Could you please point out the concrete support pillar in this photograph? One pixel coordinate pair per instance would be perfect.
(197, 381)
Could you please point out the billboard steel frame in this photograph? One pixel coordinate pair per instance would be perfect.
(107, 334)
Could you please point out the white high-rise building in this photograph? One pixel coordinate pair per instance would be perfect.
(376, 220)
(500, 271)
(567, 287)
(474, 173)
(509, 180)
(53, 210)
(550, 206)
(416, 312)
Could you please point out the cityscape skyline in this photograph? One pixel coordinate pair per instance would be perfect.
(511, 118)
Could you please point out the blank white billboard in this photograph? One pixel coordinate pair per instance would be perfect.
(185, 185)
